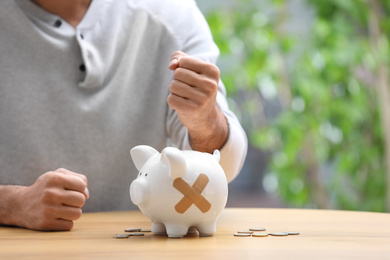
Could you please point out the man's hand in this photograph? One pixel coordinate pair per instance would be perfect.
(193, 95)
(53, 202)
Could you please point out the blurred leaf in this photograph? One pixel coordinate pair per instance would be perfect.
(324, 116)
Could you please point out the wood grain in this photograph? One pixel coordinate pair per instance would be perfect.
(324, 234)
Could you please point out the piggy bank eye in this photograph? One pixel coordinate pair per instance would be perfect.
(140, 174)
(146, 174)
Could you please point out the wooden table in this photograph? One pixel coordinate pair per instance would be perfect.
(324, 234)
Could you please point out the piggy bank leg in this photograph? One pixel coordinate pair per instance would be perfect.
(207, 229)
(158, 229)
(192, 230)
(176, 231)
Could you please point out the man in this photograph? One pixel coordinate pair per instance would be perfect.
(82, 82)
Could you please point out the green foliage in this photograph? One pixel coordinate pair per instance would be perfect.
(326, 139)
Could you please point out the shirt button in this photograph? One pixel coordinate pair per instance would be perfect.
(82, 67)
(58, 23)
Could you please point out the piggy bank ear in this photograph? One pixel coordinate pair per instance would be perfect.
(176, 161)
(217, 155)
(140, 154)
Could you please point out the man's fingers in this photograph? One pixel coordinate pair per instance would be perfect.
(206, 86)
(185, 91)
(182, 60)
(192, 63)
(175, 59)
(73, 199)
(65, 171)
(62, 225)
(70, 213)
(73, 184)
(56, 225)
(199, 66)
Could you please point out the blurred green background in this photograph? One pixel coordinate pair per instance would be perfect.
(309, 81)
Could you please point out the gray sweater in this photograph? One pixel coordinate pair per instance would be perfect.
(81, 98)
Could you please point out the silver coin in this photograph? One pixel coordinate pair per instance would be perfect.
(132, 229)
(294, 233)
(145, 230)
(136, 234)
(119, 236)
(279, 234)
(242, 234)
(257, 229)
(245, 232)
(260, 234)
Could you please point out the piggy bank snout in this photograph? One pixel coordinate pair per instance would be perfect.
(137, 192)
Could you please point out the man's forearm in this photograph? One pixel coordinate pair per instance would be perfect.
(9, 204)
(213, 138)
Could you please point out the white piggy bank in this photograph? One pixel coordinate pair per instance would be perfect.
(179, 189)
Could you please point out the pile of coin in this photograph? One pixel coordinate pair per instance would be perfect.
(132, 232)
(259, 232)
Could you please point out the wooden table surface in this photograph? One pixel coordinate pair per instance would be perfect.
(324, 234)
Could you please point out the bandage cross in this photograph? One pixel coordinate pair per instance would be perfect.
(192, 194)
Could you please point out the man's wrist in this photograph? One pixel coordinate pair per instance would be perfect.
(212, 137)
(9, 205)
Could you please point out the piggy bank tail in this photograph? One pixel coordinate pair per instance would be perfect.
(217, 155)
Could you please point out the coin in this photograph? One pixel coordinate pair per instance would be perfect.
(119, 236)
(260, 234)
(245, 232)
(257, 229)
(132, 229)
(145, 230)
(242, 234)
(293, 233)
(279, 234)
(136, 234)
